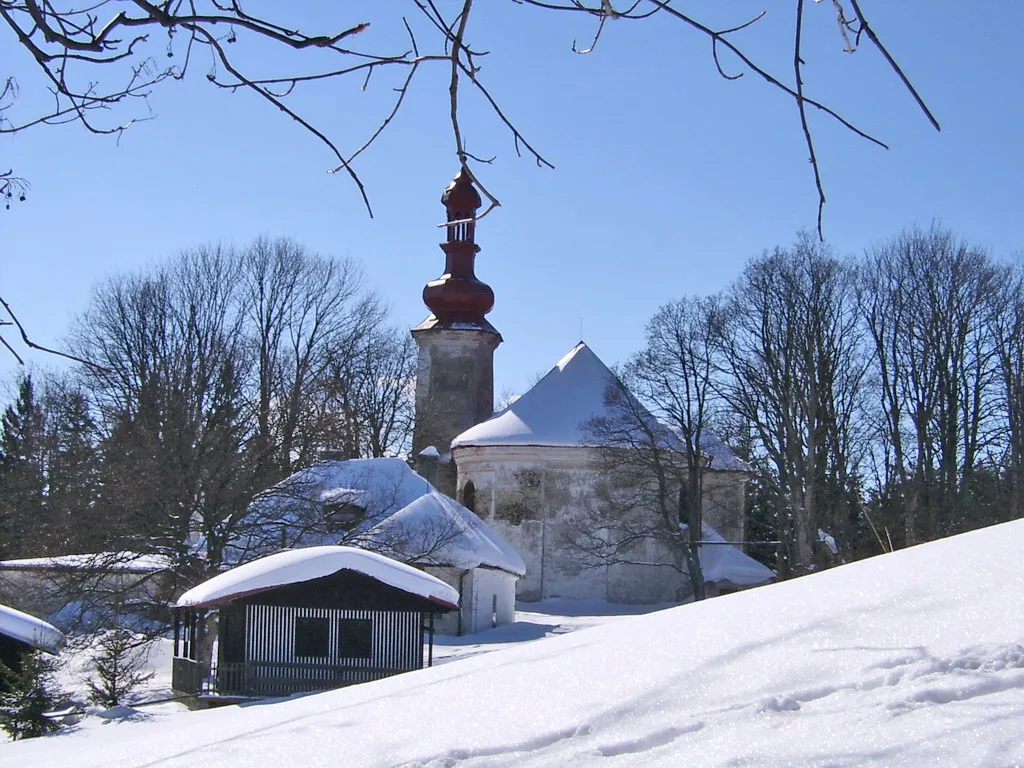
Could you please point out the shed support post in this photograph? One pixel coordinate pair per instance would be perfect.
(430, 648)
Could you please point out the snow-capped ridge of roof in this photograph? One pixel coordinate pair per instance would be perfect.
(300, 565)
(26, 628)
(554, 411)
(437, 530)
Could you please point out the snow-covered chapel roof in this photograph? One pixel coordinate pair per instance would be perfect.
(437, 530)
(300, 565)
(554, 412)
(30, 630)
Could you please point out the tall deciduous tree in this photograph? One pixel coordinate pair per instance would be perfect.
(796, 373)
(927, 301)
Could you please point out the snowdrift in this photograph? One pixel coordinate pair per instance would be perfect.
(914, 658)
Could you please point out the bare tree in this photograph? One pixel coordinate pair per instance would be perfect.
(926, 299)
(796, 371)
(101, 63)
(1008, 338)
(652, 446)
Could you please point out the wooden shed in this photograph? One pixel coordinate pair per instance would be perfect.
(307, 620)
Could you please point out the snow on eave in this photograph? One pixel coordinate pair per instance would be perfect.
(439, 531)
(29, 630)
(124, 562)
(300, 565)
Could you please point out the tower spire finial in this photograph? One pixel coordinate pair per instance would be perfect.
(457, 296)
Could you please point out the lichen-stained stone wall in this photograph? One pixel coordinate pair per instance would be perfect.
(531, 496)
(454, 389)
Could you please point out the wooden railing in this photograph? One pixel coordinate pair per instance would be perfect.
(285, 678)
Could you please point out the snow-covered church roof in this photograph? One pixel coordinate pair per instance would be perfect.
(30, 630)
(437, 530)
(555, 411)
(722, 562)
(301, 565)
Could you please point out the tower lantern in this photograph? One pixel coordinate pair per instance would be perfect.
(458, 296)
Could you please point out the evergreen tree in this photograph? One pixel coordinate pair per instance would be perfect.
(23, 509)
(73, 477)
(26, 695)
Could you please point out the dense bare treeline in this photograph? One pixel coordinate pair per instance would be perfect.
(879, 401)
(216, 375)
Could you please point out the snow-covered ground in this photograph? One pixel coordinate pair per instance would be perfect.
(915, 658)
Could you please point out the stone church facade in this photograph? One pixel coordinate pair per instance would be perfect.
(528, 471)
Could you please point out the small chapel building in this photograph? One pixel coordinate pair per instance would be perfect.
(528, 469)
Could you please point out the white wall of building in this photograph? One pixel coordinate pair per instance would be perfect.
(530, 494)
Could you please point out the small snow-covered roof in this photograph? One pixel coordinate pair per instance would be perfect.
(30, 630)
(300, 565)
(293, 513)
(107, 561)
(724, 562)
(555, 411)
(437, 530)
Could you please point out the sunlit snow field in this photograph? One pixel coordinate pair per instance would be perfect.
(915, 658)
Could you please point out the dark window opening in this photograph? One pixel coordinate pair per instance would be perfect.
(469, 496)
(342, 515)
(311, 637)
(232, 634)
(355, 638)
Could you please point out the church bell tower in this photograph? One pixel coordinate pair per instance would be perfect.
(455, 370)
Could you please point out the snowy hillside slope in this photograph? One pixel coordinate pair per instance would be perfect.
(914, 658)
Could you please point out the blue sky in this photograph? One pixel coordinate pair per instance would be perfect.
(667, 180)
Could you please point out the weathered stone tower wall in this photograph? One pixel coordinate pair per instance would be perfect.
(454, 389)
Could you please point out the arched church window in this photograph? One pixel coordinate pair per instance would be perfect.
(469, 496)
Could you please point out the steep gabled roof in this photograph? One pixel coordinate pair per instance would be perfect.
(300, 565)
(437, 530)
(555, 411)
(30, 630)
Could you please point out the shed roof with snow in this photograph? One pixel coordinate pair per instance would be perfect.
(721, 562)
(555, 411)
(298, 566)
(437, 530)
(28, 630)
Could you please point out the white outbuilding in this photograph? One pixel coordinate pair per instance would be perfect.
(445, 539)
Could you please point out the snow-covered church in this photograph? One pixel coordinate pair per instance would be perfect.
(526, 470)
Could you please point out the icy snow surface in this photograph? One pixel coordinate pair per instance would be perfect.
(437, 530)
(28, 629)
(299, 565)
(555, 411)
(909, 659)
